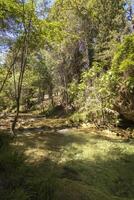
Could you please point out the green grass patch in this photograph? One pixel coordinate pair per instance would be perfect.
(79, 165)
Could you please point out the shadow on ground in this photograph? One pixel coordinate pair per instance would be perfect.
(48, 179)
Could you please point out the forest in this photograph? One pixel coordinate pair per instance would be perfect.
(66, 99)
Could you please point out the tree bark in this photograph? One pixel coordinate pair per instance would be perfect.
(24, 53)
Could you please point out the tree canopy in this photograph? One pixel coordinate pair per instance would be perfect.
(79, 53)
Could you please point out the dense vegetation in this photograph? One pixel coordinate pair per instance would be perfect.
(79, 53)
(72, 60)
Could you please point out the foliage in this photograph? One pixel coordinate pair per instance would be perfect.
(74, 57)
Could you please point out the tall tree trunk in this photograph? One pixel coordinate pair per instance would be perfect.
(23, 63)
(20, 82)
(51, 95)
(16, 117)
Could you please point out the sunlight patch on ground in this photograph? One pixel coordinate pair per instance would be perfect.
(95, 148)
(35, 154)
(18, 143)
(89, 159)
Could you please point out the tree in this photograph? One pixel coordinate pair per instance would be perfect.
(32, 33)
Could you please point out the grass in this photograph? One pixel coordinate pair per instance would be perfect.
(47, 163)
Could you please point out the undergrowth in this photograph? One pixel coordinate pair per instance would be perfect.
(90, 167)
